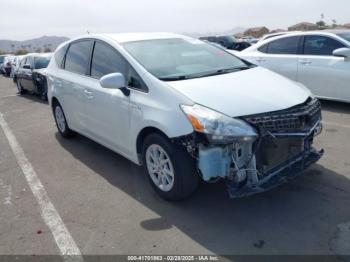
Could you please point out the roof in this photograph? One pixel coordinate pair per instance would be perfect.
(131, 37)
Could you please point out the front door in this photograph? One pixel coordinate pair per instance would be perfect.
(325, 75)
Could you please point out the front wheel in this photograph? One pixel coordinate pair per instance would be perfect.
(61, 121)
(171, 170)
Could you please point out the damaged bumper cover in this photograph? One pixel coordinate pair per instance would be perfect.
(282, 150)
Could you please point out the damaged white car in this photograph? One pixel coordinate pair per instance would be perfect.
(185, 110)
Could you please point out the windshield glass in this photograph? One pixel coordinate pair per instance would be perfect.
(2, 59)
(346, 36)
(41, 62)
(172, 59)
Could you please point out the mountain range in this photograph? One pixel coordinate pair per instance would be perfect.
(32, 44)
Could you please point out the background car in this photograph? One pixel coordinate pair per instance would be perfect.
(227, 41)
(31, 74)
(320, 60)
(15, 65)
(7, 64)
(249, 39)
(2, 58)
(267, 36)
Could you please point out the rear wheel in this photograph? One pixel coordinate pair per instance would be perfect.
(171, 170)
(61, 121)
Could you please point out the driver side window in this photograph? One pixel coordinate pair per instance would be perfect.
(320, 45)
(107, 60)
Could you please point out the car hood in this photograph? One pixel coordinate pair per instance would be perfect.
(247, 92)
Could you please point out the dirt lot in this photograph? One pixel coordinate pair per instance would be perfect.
(108, 206)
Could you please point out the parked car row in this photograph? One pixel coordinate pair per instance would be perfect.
(320, 60)
(28, 72)
(30, 76)
(185, 110)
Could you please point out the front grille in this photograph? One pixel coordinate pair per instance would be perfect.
(295, 119)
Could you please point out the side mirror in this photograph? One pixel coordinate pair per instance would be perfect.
(342, 52)
(115, 81)
(27, 67)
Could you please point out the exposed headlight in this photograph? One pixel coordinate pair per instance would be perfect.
(218, 127)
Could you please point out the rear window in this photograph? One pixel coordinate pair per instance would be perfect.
(41, 62)
(288, 46)
(78, 57)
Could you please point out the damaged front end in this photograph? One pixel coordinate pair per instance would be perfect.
(254, 153)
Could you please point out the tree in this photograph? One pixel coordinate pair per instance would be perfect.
(21, 52)
(321, 24)
(334, 23)
(47, 50)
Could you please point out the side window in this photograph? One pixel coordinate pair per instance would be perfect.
(59, 55)
(320, 45)
(263, 49)
(106, 60)
(288, 46)
(23, 62)
(78, 57)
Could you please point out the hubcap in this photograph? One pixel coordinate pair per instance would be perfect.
(160, 167)
(61, 122)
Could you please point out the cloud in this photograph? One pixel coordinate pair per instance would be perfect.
(28, 19)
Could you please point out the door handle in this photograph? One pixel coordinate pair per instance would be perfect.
(305, 62)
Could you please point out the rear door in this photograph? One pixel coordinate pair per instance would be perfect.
(280, 56)
(74, 82)
(325, 75)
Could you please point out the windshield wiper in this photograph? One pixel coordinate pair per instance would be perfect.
(174, 78)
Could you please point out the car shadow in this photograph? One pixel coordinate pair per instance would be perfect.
(33, 98)
(296, 217)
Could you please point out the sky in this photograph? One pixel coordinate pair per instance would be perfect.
(23, 19)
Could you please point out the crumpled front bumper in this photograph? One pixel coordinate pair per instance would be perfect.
(277, 176)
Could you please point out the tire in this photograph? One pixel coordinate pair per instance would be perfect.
(20, 89)
(61, 121)
(184, 180)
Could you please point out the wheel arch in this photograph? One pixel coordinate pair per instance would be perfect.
(143, 134)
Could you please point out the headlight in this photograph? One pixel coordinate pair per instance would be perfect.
(218, 127)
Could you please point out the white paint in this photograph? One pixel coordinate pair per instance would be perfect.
(63, 238)
(335, 124)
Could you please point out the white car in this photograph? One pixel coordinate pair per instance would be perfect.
(319, 60)
(185, 110)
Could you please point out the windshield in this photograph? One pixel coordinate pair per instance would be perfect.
(177, 59)
(2, 59)
(41, 62)
(346, 36)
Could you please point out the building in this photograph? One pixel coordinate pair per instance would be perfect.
(347, 25)
(277, 31)
(304, 26)
(257, 32)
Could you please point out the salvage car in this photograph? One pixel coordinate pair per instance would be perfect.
(31, 74)
(320, 60)
(185, 110)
